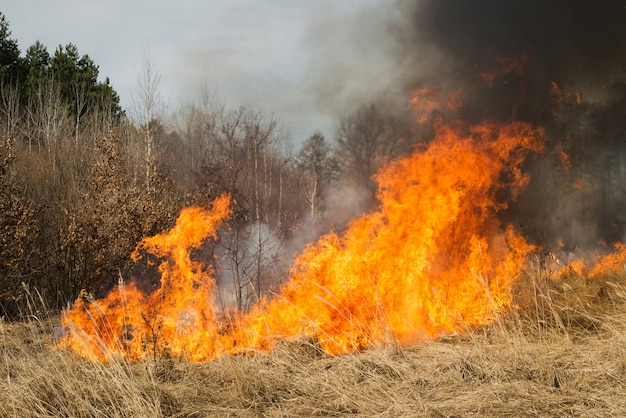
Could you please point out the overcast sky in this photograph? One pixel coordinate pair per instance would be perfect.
(304, 61)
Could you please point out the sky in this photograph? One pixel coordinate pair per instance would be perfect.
(304, 62)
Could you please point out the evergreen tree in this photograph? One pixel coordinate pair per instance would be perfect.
(73, 74)
(10, 62)
(37, 63)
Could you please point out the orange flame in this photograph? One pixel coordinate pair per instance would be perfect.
(508, 65)
(433, 259)
(614, 262)
(560, 97)
(425, 102)
(456, 99)
(602, 262)
(179, 317)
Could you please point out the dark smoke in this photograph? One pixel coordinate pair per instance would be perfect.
(575, 48)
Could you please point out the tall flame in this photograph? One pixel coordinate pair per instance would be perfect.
(432, 259)
(178, 317)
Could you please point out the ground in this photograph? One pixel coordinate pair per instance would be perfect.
(559, 352)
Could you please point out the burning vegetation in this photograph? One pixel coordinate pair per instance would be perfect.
(455, 221)
(434, 258)
(514, 147)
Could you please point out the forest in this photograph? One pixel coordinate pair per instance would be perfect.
(83, 180)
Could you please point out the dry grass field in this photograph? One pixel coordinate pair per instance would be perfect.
(562, 352)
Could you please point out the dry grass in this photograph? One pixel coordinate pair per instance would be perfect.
(561, 353)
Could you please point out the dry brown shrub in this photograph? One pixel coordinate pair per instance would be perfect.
(114, 213)
(18, 231)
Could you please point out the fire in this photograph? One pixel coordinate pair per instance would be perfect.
(456, 99)
(179, 317)
(561, 97)
(508, 65)
(611, 262)
(424, 102)
(427, 102)
(432, 259)
(596, 264)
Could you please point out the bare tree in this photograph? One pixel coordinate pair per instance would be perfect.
(366, 139)
(318, 169)
(282, 159)
(148, 107)
(80, 101)
(258, 137)
(48, 120)
(10, 107)
(251, 262)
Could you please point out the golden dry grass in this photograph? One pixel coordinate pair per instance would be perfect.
(561, 353)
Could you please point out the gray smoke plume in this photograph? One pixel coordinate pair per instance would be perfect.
(557, 64)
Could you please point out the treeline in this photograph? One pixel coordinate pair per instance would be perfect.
(81, 182)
